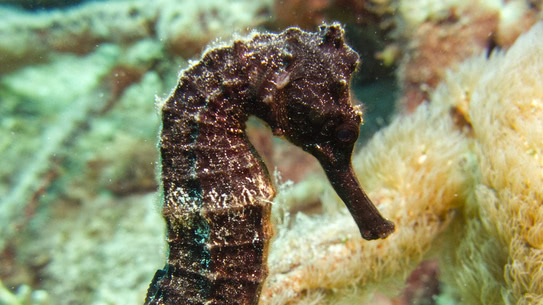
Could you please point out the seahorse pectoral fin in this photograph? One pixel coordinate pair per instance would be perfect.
(371, 223)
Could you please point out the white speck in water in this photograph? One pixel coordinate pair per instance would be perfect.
(422, 158)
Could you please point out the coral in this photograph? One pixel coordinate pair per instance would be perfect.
(134, 174)
(63, 138)
(515, 18)
(186, 27)
(80, 29)
(44, 148)
(423, 284)
(77, 248)
(436, 46)
(442, 34)
(501, 244)
(23, 296)
(415, 13)
(76, 31)
(43, 117)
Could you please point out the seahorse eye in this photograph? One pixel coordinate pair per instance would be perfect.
(346, 134)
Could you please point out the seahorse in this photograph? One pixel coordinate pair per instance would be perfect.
(217, 192)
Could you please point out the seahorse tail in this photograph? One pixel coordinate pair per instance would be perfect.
(216, 258)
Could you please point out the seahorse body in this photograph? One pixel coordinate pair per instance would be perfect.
(217, 192)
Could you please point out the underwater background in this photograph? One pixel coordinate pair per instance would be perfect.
(451, 150)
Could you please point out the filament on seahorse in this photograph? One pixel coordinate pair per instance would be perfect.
(217, 191)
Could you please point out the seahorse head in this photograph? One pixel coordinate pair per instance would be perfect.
(314, 98)
(317, 115)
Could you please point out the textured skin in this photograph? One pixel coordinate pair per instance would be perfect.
(217, 192)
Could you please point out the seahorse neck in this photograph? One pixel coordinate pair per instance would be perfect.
(260, 71)
(222, 126)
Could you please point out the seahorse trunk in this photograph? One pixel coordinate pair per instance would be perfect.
(217, 201)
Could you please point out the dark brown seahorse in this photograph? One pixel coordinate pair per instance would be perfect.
(217, 192)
